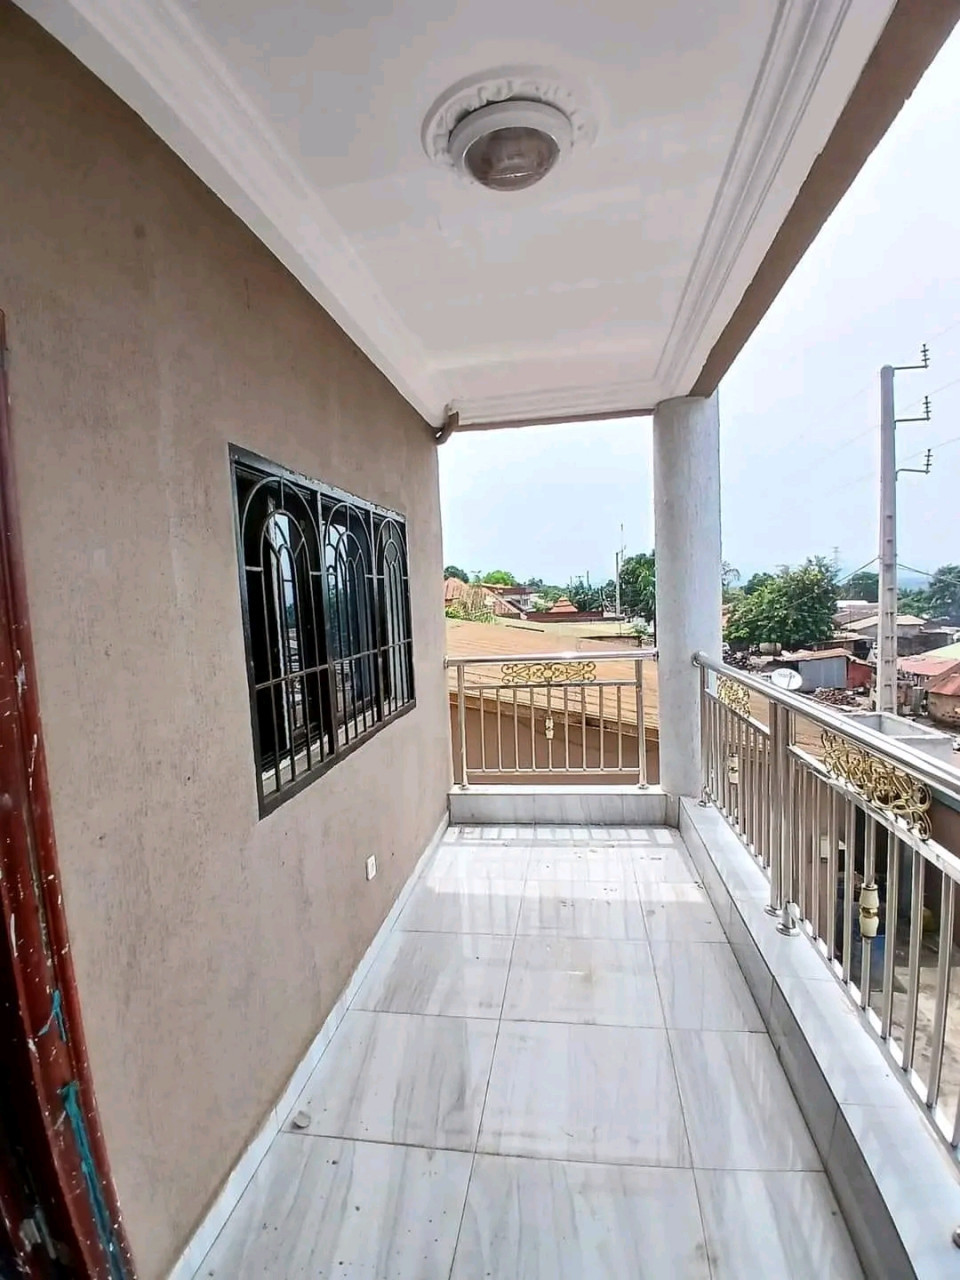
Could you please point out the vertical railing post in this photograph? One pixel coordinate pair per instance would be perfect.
(462, 724)
(704, 737)
(641, 727)
(782, 798)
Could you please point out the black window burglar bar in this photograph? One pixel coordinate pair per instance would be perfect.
(326, 614)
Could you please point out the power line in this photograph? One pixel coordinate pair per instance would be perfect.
(848, 576)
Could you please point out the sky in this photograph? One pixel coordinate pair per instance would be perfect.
(798, 409)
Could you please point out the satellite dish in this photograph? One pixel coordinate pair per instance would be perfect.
(786, 678)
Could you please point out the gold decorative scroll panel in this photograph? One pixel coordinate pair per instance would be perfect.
(548, 672)
(882, 784)
(734, 695)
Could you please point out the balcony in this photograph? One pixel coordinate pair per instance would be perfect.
(527, 1082)
(722, 1042)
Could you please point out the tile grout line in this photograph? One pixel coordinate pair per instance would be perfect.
(683, 1109)
(493, 1057)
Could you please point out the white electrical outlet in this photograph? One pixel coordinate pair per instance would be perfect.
(371, 866)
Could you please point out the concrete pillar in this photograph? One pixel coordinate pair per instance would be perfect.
(686, 489)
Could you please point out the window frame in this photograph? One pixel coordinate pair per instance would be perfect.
(327, 498)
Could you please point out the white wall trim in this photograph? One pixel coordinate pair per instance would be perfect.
(800, 44)
(213, 1222)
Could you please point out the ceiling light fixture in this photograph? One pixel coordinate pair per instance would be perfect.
(508, 146)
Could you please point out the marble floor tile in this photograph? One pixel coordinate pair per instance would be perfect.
(583, 909)
(774, 1226)
(589, 980)
(482, 905)
(549, 1220)
(662, 864)
(603, 1094)
(565, 864)
(324, 1207)
(679, 913)
(478, 862)
(739, 1109)
(702, 988)
(396, 1077)
(459, 975)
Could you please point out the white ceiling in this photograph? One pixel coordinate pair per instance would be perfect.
(603, 288)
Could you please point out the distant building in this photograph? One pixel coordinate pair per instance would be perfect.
(927, 669)
(852, 611)
(476, 596)
(818, 669)
(943, 700)
(913, 635)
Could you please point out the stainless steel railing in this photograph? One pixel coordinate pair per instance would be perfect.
(856, 833)
(552, 716)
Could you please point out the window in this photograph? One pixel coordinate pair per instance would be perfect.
(326, 614)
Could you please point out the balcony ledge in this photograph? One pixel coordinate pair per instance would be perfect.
(897, 1186)
(605, 806)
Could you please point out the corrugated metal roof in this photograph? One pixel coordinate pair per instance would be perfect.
(903, 620)
(947, 686)
(945, 651)
(811, 655)
(927, 666)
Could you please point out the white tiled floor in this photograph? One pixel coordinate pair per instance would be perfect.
(553, 1071)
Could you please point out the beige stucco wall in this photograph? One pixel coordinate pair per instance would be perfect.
(148, 328)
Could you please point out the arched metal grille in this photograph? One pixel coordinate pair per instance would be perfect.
(326, 611)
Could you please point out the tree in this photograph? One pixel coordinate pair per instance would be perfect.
(499, 578)
(916, 601)
(587, 599)
(729, 577)
(451, 571)
(756, 581)
(944, 592)
(638, 586)
(794, 609)
(862, 585)
(472, 606)
(549, 595)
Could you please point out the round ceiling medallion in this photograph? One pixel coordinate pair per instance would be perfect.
(507, 129)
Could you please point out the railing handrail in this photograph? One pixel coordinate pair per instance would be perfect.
(940, 777)
(576, 655)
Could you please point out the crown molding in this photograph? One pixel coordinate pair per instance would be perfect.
(558, 402)
(801, 42)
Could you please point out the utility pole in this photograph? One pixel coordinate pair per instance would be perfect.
(618, 562)
(886, 694)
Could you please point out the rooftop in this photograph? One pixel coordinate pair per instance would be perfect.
(903, 620)
(947, 686)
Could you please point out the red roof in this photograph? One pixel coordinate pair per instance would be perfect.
(948, 686)
(925, 666)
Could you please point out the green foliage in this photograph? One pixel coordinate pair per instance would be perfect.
(472, 606)
(915, 602)
(756, 581)
(499, 578)
(862, 585)
(451, 571)
(794, 609)
(638, 586)
(729, 577)
(586, 598)
(944, 592)
(549, 595)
